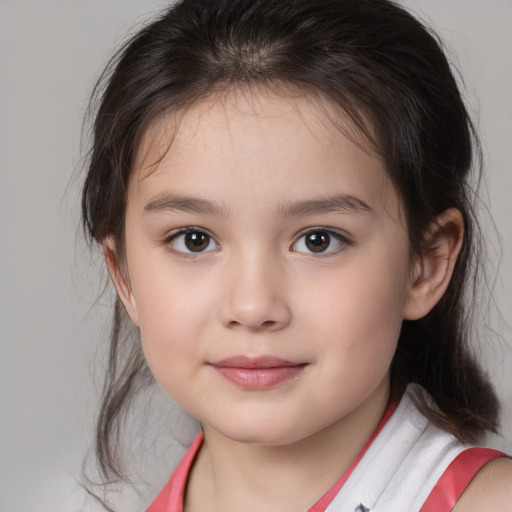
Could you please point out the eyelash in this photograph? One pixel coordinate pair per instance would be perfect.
(341, 239)
(173, 237)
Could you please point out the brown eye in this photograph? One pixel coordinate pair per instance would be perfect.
(317, 241)
(196, 241)
(192, 241)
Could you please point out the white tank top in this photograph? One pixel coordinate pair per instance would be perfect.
(403, 464)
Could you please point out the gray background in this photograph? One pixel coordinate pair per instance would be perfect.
(51, 322)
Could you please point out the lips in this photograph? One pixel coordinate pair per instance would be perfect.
(258, 373)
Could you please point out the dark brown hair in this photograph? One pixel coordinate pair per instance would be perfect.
(375, 63)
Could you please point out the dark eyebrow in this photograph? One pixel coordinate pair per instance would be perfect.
(185, 204)
(333, 204)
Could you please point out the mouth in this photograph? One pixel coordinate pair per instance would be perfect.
(259, 372)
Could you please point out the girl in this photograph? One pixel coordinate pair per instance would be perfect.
(281, 193)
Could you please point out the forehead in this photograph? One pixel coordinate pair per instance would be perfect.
(238, 109)
(246, 136)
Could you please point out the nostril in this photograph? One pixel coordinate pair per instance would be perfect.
(254, 315)
(268, 324)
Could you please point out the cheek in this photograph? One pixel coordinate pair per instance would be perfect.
(169, 317)
(173, 310)
(359, 315)
(170, 336)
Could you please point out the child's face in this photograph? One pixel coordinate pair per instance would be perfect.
(265, 237)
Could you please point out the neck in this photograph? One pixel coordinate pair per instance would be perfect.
(229, 476)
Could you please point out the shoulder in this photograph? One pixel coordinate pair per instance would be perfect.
(490, 489)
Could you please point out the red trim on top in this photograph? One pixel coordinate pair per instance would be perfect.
(172, 496)
(327, 498)
(457, 477)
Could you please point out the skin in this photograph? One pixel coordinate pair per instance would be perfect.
(491, 489)
(243, 172)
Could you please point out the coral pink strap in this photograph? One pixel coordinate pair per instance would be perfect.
(172, 497)
(457, 477)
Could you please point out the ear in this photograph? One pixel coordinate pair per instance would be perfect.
(120, 279)
(432, 271)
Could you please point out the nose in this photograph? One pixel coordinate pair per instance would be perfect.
(255, 296)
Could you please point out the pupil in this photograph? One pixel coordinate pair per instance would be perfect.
(196, 241)
(318, 241)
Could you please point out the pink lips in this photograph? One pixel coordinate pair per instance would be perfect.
(259, 372)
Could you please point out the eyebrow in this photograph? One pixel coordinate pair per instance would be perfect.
(187, 204)
(339, 203)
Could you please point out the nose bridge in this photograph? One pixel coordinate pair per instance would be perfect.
(256, 291)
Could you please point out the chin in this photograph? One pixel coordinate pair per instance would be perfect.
(263, 433)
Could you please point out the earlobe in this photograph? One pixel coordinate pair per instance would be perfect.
(433, 270)
(120, 279)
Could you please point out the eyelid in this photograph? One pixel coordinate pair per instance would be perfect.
(174, 234)
(340, 236)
